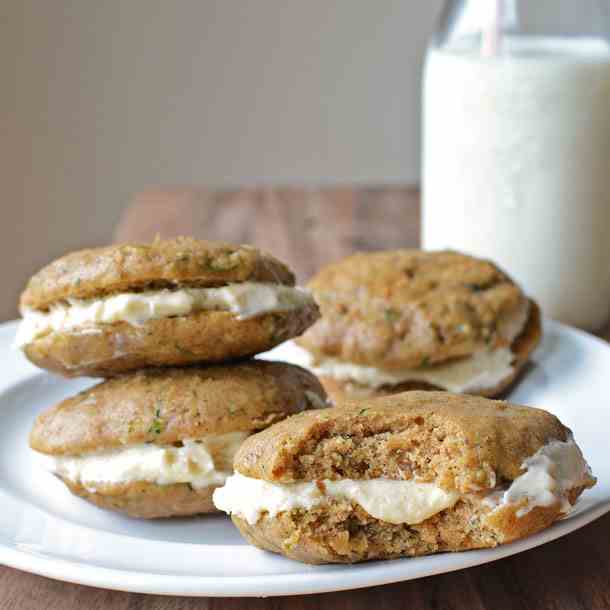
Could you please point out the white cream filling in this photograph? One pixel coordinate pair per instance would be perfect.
(385, 499)
(245, 300)
(201, 463)
(483, 370)
(549, 474)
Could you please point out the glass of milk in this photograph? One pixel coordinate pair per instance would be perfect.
(516, 146)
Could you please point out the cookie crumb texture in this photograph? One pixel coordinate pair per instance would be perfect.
(461, 443)
(464, 444)
(405, 308)
(341, 532)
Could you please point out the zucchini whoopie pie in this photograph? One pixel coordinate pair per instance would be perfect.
(156, 443)
(403, 475)
(409, 319)
(106, 311)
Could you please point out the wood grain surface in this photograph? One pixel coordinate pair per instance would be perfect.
(307, 228)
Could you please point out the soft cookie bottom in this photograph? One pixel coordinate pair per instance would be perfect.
(522, 348)
(342, 532)
(148, 500)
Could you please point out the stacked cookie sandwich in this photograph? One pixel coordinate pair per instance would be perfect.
(111, 310)
(171, 324)
(409, 319)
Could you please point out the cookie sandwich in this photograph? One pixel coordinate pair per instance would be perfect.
(156, 443)
(408, 319)
(111, 310)
(403, 475)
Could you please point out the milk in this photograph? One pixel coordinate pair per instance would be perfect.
(516, 157)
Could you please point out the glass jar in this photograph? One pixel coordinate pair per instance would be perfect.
(516, 146)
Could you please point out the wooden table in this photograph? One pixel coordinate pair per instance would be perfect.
(308, 228)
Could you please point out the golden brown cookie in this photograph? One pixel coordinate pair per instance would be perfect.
(521, 349)
(407, 474)
(148, 500)
(156, 443)
(410, 319)
(92, 273)
(112, 310)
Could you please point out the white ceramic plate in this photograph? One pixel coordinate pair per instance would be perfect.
(45, 530)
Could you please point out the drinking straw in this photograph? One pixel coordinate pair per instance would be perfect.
(491, 45)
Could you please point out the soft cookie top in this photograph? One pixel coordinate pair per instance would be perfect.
(88, 274)
(164, 406)
(408, 308)
(462, 443)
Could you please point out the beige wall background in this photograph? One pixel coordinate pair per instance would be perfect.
(100, 99)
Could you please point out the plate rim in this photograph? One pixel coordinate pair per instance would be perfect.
(269, 585)
(275, 585)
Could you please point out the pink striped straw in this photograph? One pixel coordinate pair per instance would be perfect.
(492, 36)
